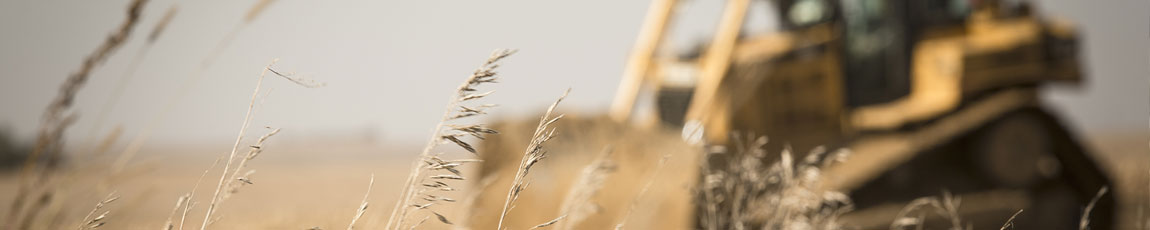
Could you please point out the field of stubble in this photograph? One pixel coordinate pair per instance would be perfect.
(303, 184)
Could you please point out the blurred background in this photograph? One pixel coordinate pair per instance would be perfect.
(389, 64)
(389, 67)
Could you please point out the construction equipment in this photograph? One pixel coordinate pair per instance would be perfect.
(929, 95)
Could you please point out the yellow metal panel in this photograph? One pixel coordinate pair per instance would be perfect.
(935, 88)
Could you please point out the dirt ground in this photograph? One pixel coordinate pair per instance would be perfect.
(301, 184)
(297, 185)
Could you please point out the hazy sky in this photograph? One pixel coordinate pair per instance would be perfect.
(390, 65)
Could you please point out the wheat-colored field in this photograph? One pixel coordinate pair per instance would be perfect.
(297, 185)
(308, 183)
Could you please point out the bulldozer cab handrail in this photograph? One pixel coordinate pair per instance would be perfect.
(638, 66)
(714, 62)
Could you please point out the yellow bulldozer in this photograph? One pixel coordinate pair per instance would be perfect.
(928, 95)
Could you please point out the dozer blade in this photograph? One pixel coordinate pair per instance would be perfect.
(634, 155)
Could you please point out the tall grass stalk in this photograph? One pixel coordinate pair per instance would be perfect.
(577, 205)
(362, 205)
(531, 156)
(1084, 222)
(90, 222)
(235, 147)
(232, 169)
(444, 132)
(642, 192)
(55, 121)
(130, 73)
(142, 136)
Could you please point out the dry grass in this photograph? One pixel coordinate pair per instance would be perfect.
(171, 224)
(55, 121)
(1010, 222)
(1084, 222)
(362, 205)
(137, 142)
(90, 222)
(535, 153)
(121, 84)
(38, 183)
(578, 204)
(35, 192)
(643, 192)
(232, 183)
(741, 192)
(914, 214)
(462, 105)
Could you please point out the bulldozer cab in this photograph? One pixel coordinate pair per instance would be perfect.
(875, 38)
(840, 70)
(829, 56)
(841, 56)
(875, 50)
(872, 53)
